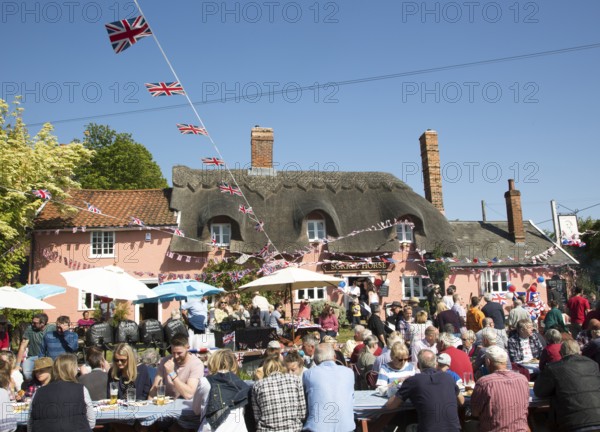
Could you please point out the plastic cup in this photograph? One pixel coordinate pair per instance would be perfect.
(131, 395)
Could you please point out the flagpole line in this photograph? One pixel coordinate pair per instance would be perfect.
(191, 104)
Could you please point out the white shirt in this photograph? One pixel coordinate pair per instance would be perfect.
(526, 349)
(417, 346)
(261, 302)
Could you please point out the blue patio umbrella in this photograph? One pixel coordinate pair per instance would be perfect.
(42, 291)
(181, 289)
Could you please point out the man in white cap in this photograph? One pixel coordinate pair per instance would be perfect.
(443, 364)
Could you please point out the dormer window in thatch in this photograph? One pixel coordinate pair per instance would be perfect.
(406, 229)
(315, 226)
(223, 230)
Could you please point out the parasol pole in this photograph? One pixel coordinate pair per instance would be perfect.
(292, 314)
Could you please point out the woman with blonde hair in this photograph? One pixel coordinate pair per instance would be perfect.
(64, 404)
(15, 374)
(221, 397)
(278, 399)
(8, 422)
(128, 373)
(417, 329)
(398, 368)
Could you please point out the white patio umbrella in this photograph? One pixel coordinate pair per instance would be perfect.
(14, 299)
(292, 278)
(111, 281)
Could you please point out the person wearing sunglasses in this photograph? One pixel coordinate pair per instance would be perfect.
(398, 369)
(128, 373)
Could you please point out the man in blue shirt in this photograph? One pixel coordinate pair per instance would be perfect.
(60, 341)
(329, 390)
(196, 312)
(433, 393)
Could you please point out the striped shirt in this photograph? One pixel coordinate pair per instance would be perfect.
(501, 400)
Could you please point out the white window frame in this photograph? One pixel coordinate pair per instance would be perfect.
(102, 242)
(315, 228)
(314, 294)
(494, 281)
(404, 233)
(415, 289)
(82, 298)
(217, 232)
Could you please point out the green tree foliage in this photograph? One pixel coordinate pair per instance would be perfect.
(119, 162)
(588, 274)
(25, 164)
(438, 270)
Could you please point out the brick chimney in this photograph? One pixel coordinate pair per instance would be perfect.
(261, 142)
(514, 213)
(432, 177)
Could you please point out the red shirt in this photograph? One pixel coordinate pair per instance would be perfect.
(577, 306)
(358, 349)
(550, 354)
(460, 362)
(4, 341)
(501, 401)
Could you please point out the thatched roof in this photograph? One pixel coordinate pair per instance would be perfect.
(489, 240)
(348, 200)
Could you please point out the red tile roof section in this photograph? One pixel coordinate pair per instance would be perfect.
(151, 206)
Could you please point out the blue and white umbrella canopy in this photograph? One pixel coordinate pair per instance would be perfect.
(181, 289)
(42, 291)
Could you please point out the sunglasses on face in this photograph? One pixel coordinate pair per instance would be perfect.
(120, 360)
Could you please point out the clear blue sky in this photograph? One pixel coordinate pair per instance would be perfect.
(533, 119)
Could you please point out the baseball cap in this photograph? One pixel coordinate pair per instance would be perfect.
(274, 344)
(444, 359)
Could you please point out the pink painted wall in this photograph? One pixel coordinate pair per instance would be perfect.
(145, 260)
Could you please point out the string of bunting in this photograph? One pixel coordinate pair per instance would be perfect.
(123, 34)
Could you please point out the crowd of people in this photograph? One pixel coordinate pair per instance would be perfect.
(431, 359)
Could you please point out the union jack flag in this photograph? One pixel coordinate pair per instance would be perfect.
(42, 193)
(229, 338)
(124, 33)
(213, 161)
(499, 298)
(165, 88)
(178, 232)
(240, 356)
(231, 190)
(188, 129)
(246, 210)
(92, 209)
(260, 226)
(265, 250)
(136, 221)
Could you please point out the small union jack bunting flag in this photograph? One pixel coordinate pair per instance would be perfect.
(178, 232)
(499, 298)
(246, 210)
(136, 221)
(187, 129)
(260, 226)
(92, 209)
(124, 33)
(213, 161)
(213, 240)
(165, 88)
(231, 190)
(42, 193)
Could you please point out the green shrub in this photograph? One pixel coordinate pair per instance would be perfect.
(318, 306)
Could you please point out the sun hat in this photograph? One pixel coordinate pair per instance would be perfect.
(42, 363)
(274, 344)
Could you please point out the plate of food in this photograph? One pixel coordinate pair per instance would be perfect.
(167, 400)
(19, 407)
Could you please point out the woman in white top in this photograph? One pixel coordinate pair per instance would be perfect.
(223, 368)
(398, 369)
(417, 329)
